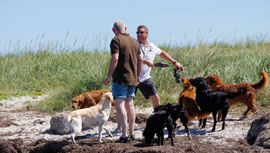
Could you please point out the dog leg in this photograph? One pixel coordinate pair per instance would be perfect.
(169, 128)
(184, 121)
(219, 115)
(215, 121)
(76, 127)
(188, 132)
(200, 122)
(73, 135)
(108, 132)
(245, 113)
(160, 135)
(100, 133)
(225, 111)
(172, 130)
(159, 138)
(204, 123)
(172, 144)
(73, 138)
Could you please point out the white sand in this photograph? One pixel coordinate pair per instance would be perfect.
(35, 125)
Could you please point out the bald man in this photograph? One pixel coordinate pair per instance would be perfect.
(125, 68)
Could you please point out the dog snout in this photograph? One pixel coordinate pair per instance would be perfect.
(74, 105)
(191, 81)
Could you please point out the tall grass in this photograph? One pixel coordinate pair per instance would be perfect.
(66, 74)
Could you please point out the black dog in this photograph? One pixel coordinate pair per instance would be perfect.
(177, 111)
(155, 125)
(212, 101)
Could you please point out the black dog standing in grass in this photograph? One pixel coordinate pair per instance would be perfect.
(212, 101)
(177, 112)
(155, 125)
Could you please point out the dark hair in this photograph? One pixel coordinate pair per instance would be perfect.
(143, 26)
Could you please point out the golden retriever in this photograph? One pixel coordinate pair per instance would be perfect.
(87, 99)
(249, 95)
(93, 116)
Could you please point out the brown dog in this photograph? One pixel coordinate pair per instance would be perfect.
(87, 99)
(194, 112)
(249, 95)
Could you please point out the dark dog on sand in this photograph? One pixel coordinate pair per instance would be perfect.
(155, 125)
(212, 101)
(177, 111)
(190, 104)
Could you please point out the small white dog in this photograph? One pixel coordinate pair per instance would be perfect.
(93, 116)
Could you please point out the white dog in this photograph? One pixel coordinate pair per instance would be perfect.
(93, 116)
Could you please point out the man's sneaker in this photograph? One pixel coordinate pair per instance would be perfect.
(132, 138)
(122, 140)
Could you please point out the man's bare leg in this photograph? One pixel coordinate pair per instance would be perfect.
(122, 114)
(131, 114)
(155, 100)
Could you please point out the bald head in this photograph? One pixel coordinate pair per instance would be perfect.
(119, 27)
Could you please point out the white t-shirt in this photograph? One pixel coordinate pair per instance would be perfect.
(149, 52)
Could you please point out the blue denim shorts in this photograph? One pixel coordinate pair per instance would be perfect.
(122, 91)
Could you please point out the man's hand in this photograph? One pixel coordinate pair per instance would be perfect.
(148, 63)
(179, 66)
(138, 80)
(107, 80)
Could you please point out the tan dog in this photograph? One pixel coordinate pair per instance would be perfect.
(93, 116)
(190, 104)
(88, 99)
(249, 95)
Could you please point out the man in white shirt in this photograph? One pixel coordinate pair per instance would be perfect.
(149, 51)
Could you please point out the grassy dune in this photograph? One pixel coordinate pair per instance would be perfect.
(64, 75)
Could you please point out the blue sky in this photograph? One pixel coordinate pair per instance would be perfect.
(88, 23)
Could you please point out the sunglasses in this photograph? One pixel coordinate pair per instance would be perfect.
(140, 32)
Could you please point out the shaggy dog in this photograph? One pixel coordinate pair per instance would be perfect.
(93, 116)
(194, 112)
(87, 99)
(248, 97)
(177, 111)
(212, 101)
(155, 125)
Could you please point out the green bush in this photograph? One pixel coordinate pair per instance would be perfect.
(66, 74)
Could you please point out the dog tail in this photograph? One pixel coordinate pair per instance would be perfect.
(263, 82)
(181, 101)
(69, 119)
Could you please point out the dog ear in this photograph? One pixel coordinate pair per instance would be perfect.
(210, 79)
(81, 100)
(109, 96)
(182, 80)
(169, 107)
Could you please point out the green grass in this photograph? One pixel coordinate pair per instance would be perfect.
(63, 75)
